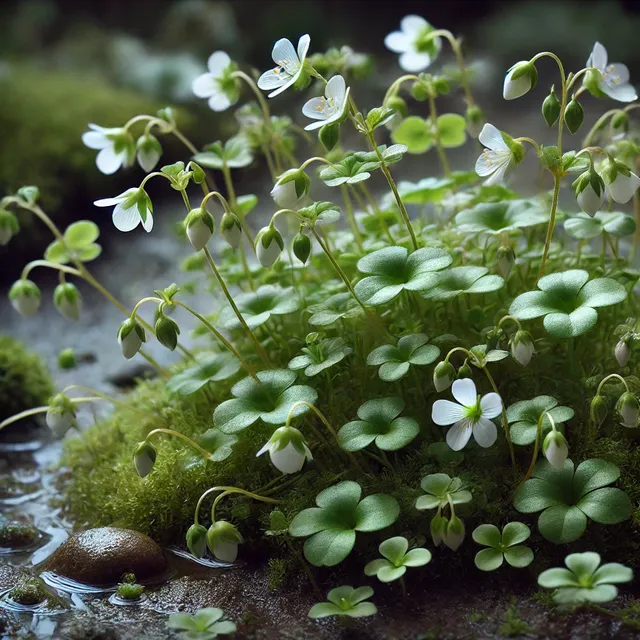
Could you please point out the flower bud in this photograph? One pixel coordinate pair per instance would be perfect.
(223, 540)
(420, 90)
(628, 408)
(61, 415)
(464, 371)
(131, 335)
(438, 529)
(287, 449)
(148, 151)
(598, 410)
(24, 296)
(622, 352)
(269, 245)
(278, 521)
(167, 332)
(144, 457)
(555, 449)
(522, 347)
(197, 540)
(505, 259)
(198, 172)
(443, 375)
(200, 225)
(290, 189)
(551, 108)
(475, 119)
(620, 121)
(8, 226)
(302, 247)
(67, 359)
(399, 105)
(520, 79)
(68, 300)
(573, 116)
(493, 338)
(589, 189)
(454, 534)
(231, 229)
(621, 182)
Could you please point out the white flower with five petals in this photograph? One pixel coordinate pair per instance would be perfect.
(497, 158)
(470, 415)
(116, 147)
(611, 79)
(218, 84)
(289, 65)
(329, 108)
(131, 208)
(417, 48)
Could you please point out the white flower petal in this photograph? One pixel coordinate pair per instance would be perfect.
(485, 432)
(204, 86)
(314, 108)
(108, 202)
(219, 101)
(621, 93)
(464, 391)
(264, 449)
(598, 57)
(414, 61)
(288, 460)
(148, 159)
(226, 551)
(617, 72)
(589, 201)
(458, 436)
(218, 62)
(513, 89)
(556, 455)
(303, 46)
(499, 175)
(285, 86)
(125, 219)
(95, 140)
(283, 53)
(398, 42)
(445, 412)
(623, 187)
(336, 89)
(270, 80)
(108, 161)
(412, 25)
(491, 405)
(491, 138)
(147, 224)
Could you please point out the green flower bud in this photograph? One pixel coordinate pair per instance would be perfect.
(438, 528)
(287, 449)
(61, 415)
(505, 259)
(68, 300)
(622, 352)
(441, 86)
(144, 457)
(290, 188)
(131, 335)
(420, 90)
(198, 172)
(24, 296)
(551, 108)
(474, 117)
(443, 375)
(67, 359)
(8, 226)
(550, 158)
(628, 408)
(223, 539)
(454, 534)
(329, 135)
(465, 371)
(520, 79)
(399, 105)
(231, 229)
(200, 226)
(269, 245)
(493, 338)
(29, 194)
(573, 116)
(197, 540)
(302, 247)
(148, 151)
(522, 347)
(167, 332)
(598, 410)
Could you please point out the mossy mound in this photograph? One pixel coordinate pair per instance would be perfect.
(24, 378)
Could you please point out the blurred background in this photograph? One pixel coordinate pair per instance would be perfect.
(65, 63)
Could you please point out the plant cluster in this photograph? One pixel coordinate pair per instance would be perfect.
(336, 350)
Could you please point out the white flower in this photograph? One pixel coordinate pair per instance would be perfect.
(522, 347)
(287, 449)
(628, 408)
(144, 457)
(131, 335)
(131, 208)
(622, 353)
(286, 196)
(116, 147)
(612, 79)
(218, 85)
(200, 226)
(289, 65)
(417, 49)
(496, 159)
(269, 245)
(148, 152)
(25, 296)
(68, 301)
(231, 229)
(589, 199)
(472, 415)
(61, 415)
(555, 449)
(623, 187)
(330, 108)
(525, 80)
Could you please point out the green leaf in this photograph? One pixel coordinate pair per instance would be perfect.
(606, 506)
(258, 306)
(389, 574)
(415, 133)
(394, 549)
(57, 253)
(452, 129)
(378, 116)
(488, 535)
(211, 369)
(376, 512)
(81, 233)
(455, 281)
(562, 523)
(594, 474)
(514, 533)
(426, 190)
(436, 484)
(612, 573)
(556, 578)
(602, 293)
(324, 610)
(584, 227)
(536, 495)
(329, 548)
(519, 556)
(496, 218)
(489, 559)
(246, 204)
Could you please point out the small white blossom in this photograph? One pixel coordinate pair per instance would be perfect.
(612, 79)
(218, 85)
(329, 108)
(621, 182)
(555, 449)
(116, 148)
(497, 159)
(132, 207)
(523, 83)
(289, 65)
(471, 414)
(61, 415)
(287, 449)
(622, 353)
(418, 50)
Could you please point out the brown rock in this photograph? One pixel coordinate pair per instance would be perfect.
(101, 556)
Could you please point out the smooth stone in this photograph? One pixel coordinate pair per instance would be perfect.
(101, 556)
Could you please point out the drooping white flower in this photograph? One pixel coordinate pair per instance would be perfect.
(287, 449)
(589, 189)
(443, 375)
(231, 229)
(116, 147)
(132, 207)
(289, 65)
(61, 415)
(609, 79)
(144, 457)
(470, 415)
(621, 182)
(629, 409)
(8, 226)
(25, 296)
(291, 189)
(332, 107)
(200, 225)
(223, 539)
(497, 159)
(622, 353)
(68, 300)
(522, 347)
(418, 50)
(555, 449)
(148, 152)
(520, 79)
(218, 85)
(131, 335)
(269, 245)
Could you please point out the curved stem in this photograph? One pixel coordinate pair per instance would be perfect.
(37, 410)
(457, 50)
(104, 396)
(505, 421)
(550, 228)
(536, 447)
(50, 265)
(510, 319)
(306, 163)
(393, 89)
(229, 490)
(600, 122)
(205, 454)
(563, 89)
(256, 91)
(609, 377)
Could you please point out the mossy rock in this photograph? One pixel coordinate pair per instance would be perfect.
(25, 381)
(29, 592)
(14, 535)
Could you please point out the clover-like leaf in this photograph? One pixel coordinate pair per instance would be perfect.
(439, 488)
(524, 416)
(337, 306)
(396, 559)
(505, 545)
(391, 154)
(379, 423)
(217, 443)
(235, 153)
(246, 204)
(349, 170)
(258, 306)
(345, 601)
(395, 361)
(319, 356)
(584, 227)
(393, 270)
(319, 213)
(567, 499)
(270, 398)
(333, 524)
(424, 191)
(205, 624)
(458, 280)
(415, 133)
(213, 368)
(452, 129)
(568, 302)
(496, 218)
(79, 244)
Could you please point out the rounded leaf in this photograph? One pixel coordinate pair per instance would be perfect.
(329, 548)
(488, 535)
(489, 559)
(518, 556)
(394, 549)
(376, 512)
(81, 233)
(415, 133)
(452, 129)
(606, 506)
(562, 523)
(515, 533)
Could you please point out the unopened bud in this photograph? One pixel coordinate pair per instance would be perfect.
(144, 457)
(443, 375)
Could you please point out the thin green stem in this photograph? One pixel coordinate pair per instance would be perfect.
(505, 421)
(439, 148)
(203, 452)
(228, 490)
(457, 50)
(609, 377)
(49, 265)
(536, 447)
(550, 228)
(348, 206)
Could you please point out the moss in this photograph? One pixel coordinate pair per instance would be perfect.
(24, 379)
(513, 625)
(29, 592)
(277, 573)
(128, 591)
(16, 534)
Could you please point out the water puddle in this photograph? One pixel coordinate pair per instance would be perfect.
(204, 562)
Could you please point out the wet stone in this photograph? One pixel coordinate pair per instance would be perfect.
(14, 535)
(102, 556)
